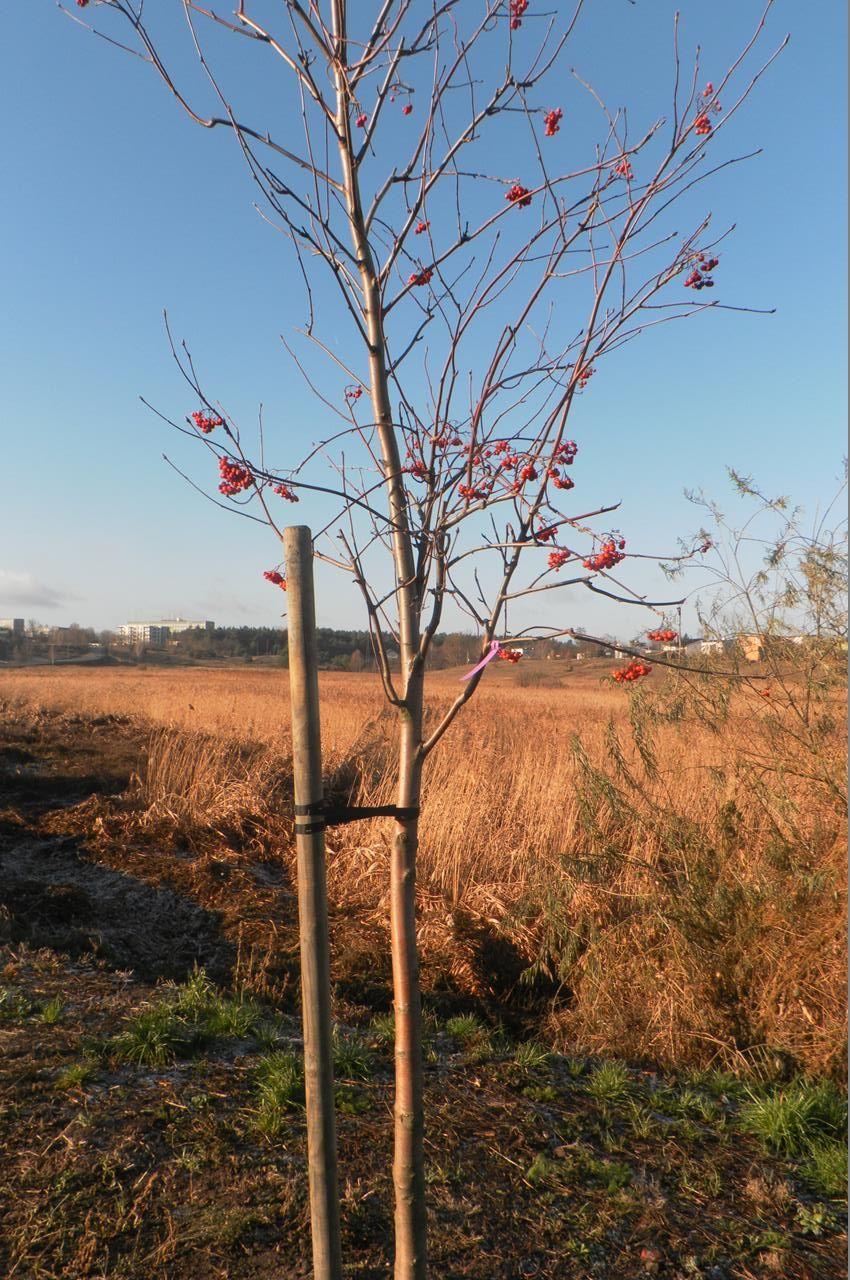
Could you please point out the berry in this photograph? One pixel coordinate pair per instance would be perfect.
(700, 277)
(284, 491)
(421, 277)
(552, 122)
(361, 120)
(609, 555)
(633, 671)
(624, 169)
(277, 579)
(519, 195)
(510, 655)
(352, 394)
(421, 228)
(407, 109)
(234, 478)
(517, 10)
(664, 636)
(559, 557)
(205, 422)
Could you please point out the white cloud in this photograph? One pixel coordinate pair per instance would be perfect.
(19, 589)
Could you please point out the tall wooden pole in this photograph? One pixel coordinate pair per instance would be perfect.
(312, 906)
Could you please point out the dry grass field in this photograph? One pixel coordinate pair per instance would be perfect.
(631, 914)
(666, 870)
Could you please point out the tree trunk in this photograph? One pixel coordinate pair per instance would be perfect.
(409, 1158)
(408, 1163)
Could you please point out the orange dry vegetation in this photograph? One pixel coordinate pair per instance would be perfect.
(668, 864)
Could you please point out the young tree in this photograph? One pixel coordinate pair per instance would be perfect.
(481, 295)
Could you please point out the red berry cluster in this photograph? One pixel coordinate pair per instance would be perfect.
(284, 491)
(552, 122)
(361, 120)
(544, 534)
(662, 637)
(566, 452)
(234, 478)
(517, 10)
(407, 109)
(473, 491)
(421, 228)
(417, 469)
(442, 440)
(610, 554)
(706, 546)
(81, 4)
(583, 376)
(277, 579)
(494, 460)
(633, 671)
(352, 394)
(510, 655)
(702, 123)
(206, 422)
(422, 277)
(559, 558)
(519, 195)
(624, 169)
(559, 481)
(563, 455)
(700, 277)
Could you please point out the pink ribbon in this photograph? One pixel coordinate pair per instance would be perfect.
(494, 649)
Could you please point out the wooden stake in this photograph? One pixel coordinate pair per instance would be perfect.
(312, 907)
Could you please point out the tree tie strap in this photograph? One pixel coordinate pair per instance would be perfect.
(326, 813)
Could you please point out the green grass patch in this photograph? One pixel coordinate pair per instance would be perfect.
(532, 1056)
(51, 1011)
(75, 1075)
(184, 1020)
(610, 1083)
(471, 1035)
(352, 1057)
(14, 1005)
(279, 1090)
(153, 1038)
(789, 1119)
(824, 1167)
(382, 1030)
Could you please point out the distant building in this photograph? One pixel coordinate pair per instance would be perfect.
(15, 625)
(151, 633)
(157, 633)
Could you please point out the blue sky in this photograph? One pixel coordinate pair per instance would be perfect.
(116, 208)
